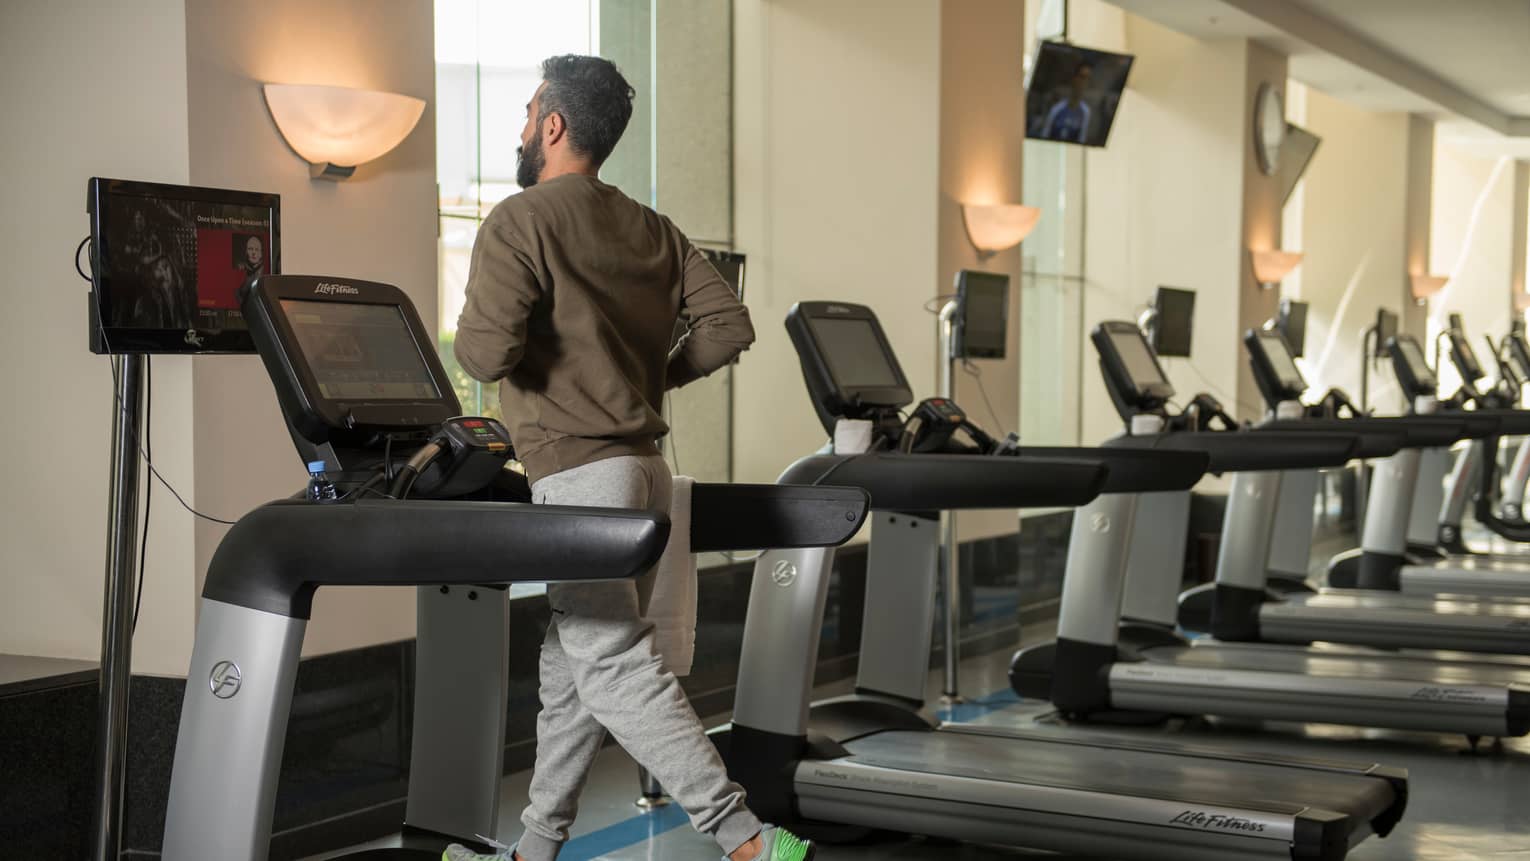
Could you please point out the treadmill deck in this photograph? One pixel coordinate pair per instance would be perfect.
(1053, 793)
(1389, 619)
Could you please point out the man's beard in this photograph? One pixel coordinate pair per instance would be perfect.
(529, 163)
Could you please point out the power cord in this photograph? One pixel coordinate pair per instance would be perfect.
(148, 491)
(1214, 389)
(933, 306)
(977, 375)
(143, 444)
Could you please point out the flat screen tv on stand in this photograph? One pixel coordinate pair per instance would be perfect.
(166, 265)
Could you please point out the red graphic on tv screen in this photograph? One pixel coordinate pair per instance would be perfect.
(225, 258)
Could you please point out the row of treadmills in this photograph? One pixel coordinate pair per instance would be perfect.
(1387, 655)
(1129, 648)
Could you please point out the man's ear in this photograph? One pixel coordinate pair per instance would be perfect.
(553, 129)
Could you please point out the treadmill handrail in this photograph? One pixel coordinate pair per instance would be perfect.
(275, 557)
(953, 482)
(1261, 450)
(773, 516)
(1137, 464)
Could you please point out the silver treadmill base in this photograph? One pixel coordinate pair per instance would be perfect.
(1391, 620)
(1064, 796)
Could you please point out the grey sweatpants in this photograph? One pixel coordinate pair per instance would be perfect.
(600, 674)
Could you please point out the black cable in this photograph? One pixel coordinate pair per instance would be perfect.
(977, 375)
(77, 249)
(388, 458)
(117, 398)
(148, 493)
(932, 306)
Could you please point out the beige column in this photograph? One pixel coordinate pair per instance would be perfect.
(1418, 221)
(1261, 222)
(982, 137)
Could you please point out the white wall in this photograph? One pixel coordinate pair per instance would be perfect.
(836, 158)
(1472, 242)
(87, 89)
(168, 91)
(1353, 211)
(1164, 199)
(379, 225)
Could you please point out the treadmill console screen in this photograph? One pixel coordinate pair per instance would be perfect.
(1464, 357)
(1282, 363)
(1412, 367)
(1138, 360)
(854, 355)
(847, 362)
(1519, 354)
(1132, 373)
(348, 358)
(360, 352)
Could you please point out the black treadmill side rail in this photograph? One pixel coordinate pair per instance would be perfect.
(774, 517)
(954, 482)
(274, 558)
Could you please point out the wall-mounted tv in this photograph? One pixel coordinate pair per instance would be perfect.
(1074, 93)
(1173, 314)
(1295, 154)
(168, 261)
(1292, 323)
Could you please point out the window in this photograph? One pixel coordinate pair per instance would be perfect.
(488, 54)
(675, 156)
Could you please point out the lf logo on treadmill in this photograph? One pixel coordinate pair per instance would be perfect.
(225, 679)
(1100, 523)
(783, 573)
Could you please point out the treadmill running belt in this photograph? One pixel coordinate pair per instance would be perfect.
(1136, 773)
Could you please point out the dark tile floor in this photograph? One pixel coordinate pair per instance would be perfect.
(1462, 807)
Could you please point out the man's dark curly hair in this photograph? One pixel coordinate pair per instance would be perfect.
(593, 98)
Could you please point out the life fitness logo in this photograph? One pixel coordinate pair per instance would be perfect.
(783, 573)
(225, 679)
(326, 288)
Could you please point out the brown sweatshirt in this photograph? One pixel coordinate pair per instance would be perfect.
(572, 299)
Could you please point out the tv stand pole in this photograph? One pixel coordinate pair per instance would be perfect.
(117, 607)
(950, 693)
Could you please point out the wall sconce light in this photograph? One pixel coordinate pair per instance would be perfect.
(1272, 266)
(992, 228)
(336, 128)
(1425, 286)
(1521, 302)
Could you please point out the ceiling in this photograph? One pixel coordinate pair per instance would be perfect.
(1464, 62)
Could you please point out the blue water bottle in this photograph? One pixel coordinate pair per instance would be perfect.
(320, 488)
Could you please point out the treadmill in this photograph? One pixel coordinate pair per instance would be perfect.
(1241, 607)
(1103, 666)
(353, 369)
(874, 761)
(1499, 577)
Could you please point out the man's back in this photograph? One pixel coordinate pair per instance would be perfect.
(572, 300)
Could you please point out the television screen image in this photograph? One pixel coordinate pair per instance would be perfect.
(169, 261)
(1074, 93)
(1173, 313)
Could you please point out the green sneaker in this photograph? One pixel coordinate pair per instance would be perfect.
(782, 845)
(458, 852)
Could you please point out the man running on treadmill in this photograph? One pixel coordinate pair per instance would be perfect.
(572, 299)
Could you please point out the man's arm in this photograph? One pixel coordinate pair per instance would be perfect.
(719, 323)
(501, 291)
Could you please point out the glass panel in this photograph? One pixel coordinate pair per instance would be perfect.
(1051, 298)
(488, 54)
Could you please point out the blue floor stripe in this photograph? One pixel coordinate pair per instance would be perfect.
(628, 832)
